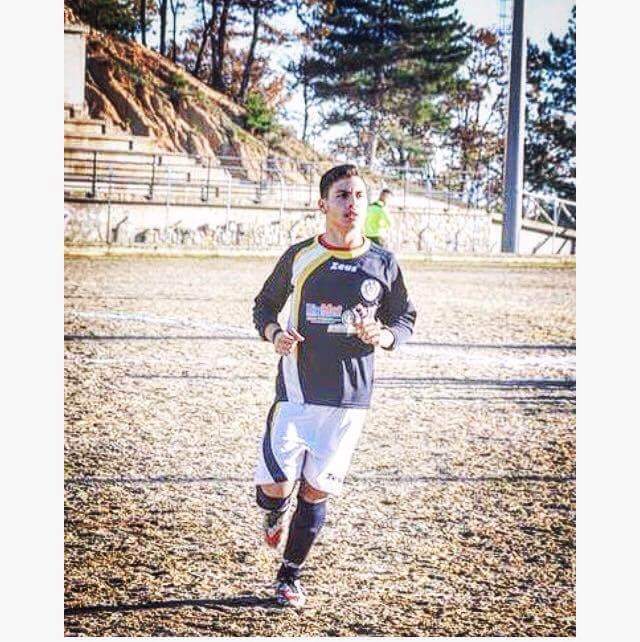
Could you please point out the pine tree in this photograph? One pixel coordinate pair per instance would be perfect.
(550, 145)
(375, 50)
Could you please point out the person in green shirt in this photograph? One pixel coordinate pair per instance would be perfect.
(378, 224)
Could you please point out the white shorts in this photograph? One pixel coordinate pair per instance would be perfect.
(311, 442)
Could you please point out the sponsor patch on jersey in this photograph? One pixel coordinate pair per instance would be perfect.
(370, 289)
(326, 313)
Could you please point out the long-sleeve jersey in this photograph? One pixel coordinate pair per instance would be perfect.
(328, 289)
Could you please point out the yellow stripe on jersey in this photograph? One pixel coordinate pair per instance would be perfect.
(314, 261)
(308, 260)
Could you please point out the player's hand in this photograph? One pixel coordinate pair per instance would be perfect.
(286, 340)
(369, 331)
(367, 328)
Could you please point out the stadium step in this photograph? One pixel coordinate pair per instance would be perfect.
(84, 127)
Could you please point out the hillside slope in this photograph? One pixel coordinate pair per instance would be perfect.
(137, 90)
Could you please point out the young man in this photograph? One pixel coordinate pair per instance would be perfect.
(378, 223)
(347, 298)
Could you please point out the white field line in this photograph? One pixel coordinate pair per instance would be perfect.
(174, 322)
(458, 356)
(479, 356)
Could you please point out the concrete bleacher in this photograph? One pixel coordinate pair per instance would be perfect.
(99, 161)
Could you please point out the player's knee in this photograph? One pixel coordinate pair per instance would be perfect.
(277, 499)
(310, 494)
(311, 515)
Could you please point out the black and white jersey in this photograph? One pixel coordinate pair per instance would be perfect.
(328, 290)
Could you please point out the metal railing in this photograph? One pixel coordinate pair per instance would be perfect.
(546, 208)
(282, 184)
(90, 173)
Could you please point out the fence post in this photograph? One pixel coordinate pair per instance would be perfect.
(168, 197)
(555, 224)
(281, 208)
(404, 185)
(259, 192)
(94, 176)
(228, 198)
(206, 199)
(110, 170)
(153, 177)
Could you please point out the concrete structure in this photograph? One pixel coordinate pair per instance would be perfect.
(122, 189)
(254, 228)
(74, 68)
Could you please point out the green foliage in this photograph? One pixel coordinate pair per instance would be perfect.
(376, 59)
(475, 105)
(260, 118)
(177, 88)
(178, 82)
(111, 16)
(550, 145)
(135, 74)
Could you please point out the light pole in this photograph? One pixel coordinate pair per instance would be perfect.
(514, 156)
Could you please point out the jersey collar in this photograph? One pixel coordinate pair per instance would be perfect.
(345, 254)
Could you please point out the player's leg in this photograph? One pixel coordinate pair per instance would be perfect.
(280, 458)
(275, 500)
(306, 523)
(331, 446)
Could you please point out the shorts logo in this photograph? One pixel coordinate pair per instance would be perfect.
(343, 267)
(323, 313)
(370, 289)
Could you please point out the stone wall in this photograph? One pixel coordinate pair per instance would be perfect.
(254, 228)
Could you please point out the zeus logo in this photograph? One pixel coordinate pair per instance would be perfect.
(343, 267)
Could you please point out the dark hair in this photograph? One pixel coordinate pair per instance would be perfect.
(386, 190)
(335, 174)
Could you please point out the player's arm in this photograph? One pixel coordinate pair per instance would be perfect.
(269, 303)
(396, 312)
(272, 297)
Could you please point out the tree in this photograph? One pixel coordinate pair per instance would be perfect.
(176, 5)
(163, 27)
(219, 45)
(475, 107)
(261, 11)
(143, 21)
(112, 16)
(260, 118)
(308, 15)
(372, 51)
(550, 143)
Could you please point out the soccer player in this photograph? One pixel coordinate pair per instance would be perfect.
(378, 223)
(347, 298)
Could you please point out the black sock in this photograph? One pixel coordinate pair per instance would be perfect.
(305, 526)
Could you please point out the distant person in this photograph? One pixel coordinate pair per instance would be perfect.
(378, 222)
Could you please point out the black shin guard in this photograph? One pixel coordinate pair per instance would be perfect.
(305, 525)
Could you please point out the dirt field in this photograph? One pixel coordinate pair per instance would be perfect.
(458, 517)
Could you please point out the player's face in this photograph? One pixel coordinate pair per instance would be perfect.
(346, 204)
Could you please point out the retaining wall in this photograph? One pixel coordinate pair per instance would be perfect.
(259, 228)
